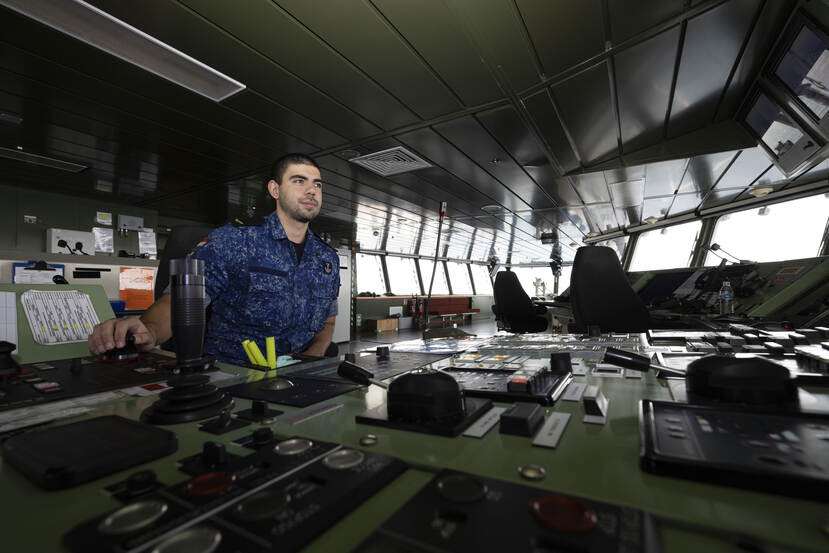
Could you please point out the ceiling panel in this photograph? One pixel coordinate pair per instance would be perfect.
(559, 188)
(602, 217)
(684, 203)
(770, 24)
(441, 42)
(564, 32)
(499, 35)
(470, 137)
(592, 187)
(773, 178)
(636, 172)
(703, 171)
(643, 85)
(717, 197)
(543, 112)
(627, 194)
(656, 207)
(359, 32)
(750, 164)
(585, 107)
(663, 178)
(435, 148)
(506, 126)
(712, 42)
(631, 18)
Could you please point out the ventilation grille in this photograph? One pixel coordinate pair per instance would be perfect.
(391, 162)
(41, 160)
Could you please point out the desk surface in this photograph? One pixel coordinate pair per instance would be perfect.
(597, 462)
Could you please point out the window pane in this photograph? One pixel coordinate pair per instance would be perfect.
(460, 277)
(788, 230)
(564, 279)
(778, 131)
(536, 281)
(617, 244)
(402, 275)
(369, 274)
(439, 286)
(805, 69)
(483, 284)
(665, 248)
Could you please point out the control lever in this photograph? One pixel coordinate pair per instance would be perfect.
(358, 374)
(636, 362)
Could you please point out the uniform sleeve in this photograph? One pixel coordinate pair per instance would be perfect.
(220, 252)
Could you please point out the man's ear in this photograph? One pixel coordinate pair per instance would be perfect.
(273, 189)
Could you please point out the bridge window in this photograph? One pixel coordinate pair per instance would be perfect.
(370, 274)
(665, 248)
(564, 278)
(402, 275)
(529, 276)
(440, 286)
(483, 285)
(788, 230)
(459, 275)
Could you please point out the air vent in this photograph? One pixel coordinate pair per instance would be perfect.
(35, 159)
(391, 162)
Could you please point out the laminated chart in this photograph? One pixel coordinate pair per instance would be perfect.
(59, 317)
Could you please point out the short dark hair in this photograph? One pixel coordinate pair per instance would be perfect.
(281, 165)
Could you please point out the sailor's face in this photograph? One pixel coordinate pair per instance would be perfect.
(299, 195)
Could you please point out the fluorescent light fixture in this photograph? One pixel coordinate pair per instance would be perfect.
(35, 159)
(760, 191)
(11, 118)
(651, 220)
(101, 30)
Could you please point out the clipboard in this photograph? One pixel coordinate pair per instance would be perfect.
(36, 272)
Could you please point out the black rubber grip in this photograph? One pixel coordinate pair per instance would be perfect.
(627, 359)
(354, 373)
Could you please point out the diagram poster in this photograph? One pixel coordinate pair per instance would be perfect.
(137, 287)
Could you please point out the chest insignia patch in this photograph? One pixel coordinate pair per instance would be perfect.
(326, 267)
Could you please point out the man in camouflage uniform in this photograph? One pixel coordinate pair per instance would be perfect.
(271, 277)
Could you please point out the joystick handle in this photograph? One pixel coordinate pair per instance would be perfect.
(358, 374)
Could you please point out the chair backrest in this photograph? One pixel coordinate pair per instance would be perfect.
(601, 295)
(510, 298)
(181, 242)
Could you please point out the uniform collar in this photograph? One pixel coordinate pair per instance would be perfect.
(278, 231)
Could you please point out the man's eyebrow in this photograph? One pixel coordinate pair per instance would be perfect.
(292, 177)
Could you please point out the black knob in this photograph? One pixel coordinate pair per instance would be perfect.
(262, 437)
(383, 352)
(141, 482)
(224, 419)
(258, 408)
(213, 454)
(75, 366)
(351, 357)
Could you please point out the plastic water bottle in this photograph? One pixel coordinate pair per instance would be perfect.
(726, 298)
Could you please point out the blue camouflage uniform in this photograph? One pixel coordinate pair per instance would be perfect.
(257, 289)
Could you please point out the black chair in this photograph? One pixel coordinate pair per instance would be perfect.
(601, 295)
(514, 310)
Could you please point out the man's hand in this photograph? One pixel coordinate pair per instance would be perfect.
(113, 334)
(321, 340)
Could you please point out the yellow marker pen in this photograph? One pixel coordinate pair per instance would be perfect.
(270, 348)
(246, 346)
(260, 359)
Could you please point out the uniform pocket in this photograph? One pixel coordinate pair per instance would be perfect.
(269, 301)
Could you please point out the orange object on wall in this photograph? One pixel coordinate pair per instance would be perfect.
(136, 287)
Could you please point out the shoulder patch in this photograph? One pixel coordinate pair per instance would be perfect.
(321, 241)
(255, 221)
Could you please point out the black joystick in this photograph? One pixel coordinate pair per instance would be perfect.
(382, 352)
(213, 455)
(129, 351)
(192, 397)
(425, 394)
(76, 366)
(8, 366)
(262, 437)
(749, 380)
(351, 357)
(140, 483)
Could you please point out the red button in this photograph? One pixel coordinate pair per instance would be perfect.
(563, 514)
(209, 484)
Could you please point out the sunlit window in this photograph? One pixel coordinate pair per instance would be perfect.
(536, 281)
(788, 230)
(369, 274)
(483, 284)
(616, 244)
(440, 286)
(459, 274)
(665, 248)
(564, 279)
(402, 275)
